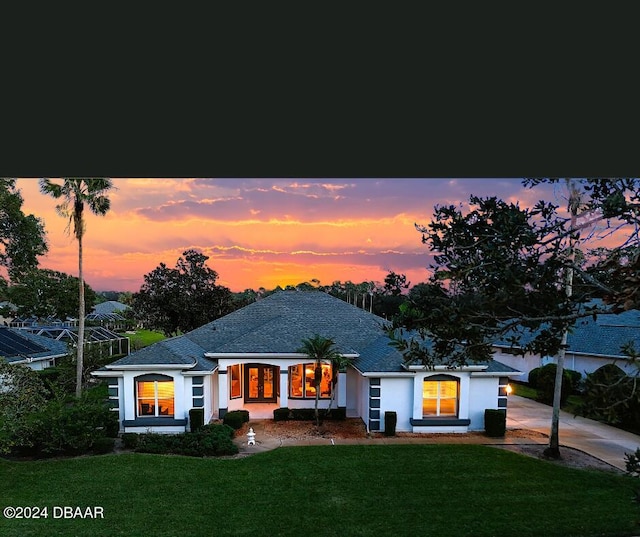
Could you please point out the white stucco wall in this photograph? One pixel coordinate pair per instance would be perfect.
(396, 395)
(483, 394)
(583, 363)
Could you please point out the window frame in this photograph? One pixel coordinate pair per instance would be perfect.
(155, 379)
(439, 379)
(307, 379)
(240, 382)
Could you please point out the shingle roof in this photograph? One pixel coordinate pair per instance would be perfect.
(604, 336)
(278, 324)
(110, 306)
(174, 351)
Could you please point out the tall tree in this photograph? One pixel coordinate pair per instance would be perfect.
(183, 298)
(322, 351)
(507, 273)
(48, 293)
(75, 193)
(22, 237)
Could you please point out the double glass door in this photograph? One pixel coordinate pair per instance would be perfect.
(260, 383)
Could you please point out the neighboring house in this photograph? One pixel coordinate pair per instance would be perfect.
(250, 360)
(109, 314)
(38, 352)
(590, 345)
(110, 307)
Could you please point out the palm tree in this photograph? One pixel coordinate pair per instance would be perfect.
(320, 350)
(75, 192)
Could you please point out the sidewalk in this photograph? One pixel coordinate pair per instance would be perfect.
(602, 441)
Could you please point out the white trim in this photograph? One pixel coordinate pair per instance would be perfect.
(192, 373)
(145, 367)
(107, 374)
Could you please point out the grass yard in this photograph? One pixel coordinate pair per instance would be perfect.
(144, 338)
(524, 390)
(400, 490)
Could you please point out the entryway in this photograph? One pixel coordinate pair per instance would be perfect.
(261, 383)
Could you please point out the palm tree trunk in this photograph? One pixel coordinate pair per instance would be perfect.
(80, 359)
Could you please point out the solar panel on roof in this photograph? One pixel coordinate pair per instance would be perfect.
(12, 344)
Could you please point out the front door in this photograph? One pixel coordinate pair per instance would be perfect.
(260, 383)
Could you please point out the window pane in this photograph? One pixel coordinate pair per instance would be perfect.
(309, 376)
(146, 389)
(447, 407)
(448, 388)
(155, 398)
(325, 383)
(146, 407)
(429, 407)
(236, 386)
(295, 380)
(430, 389)
(165, 407)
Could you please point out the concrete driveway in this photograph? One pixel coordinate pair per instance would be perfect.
(602, 441)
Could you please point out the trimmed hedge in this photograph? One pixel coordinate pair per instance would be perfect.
(236, 418)
(495, 422)
(281, 414)
(308, 414)
(209, 440)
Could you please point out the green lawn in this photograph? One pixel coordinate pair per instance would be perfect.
(403, 490)
(144, 338)
(524, 390)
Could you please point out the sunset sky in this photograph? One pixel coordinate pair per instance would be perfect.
(261, 232)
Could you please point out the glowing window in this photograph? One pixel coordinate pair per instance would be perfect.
(439, 398)
(155, 398)
(302, 382)
(235, 388)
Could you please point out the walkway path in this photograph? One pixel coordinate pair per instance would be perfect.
(602, 441)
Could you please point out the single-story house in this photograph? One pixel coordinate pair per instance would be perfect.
(250, 359)
(590, 345)
(20, 347)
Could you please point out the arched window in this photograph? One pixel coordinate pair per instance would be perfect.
(154, 396)
(440, 395)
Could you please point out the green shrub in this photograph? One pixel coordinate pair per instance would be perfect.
(533, 377)
(196, 418)
(609, 395)
(235, 418)
(130, 440)
(390, 420)
(495, 422)
(209, 440)
(303, 414)
(339, 413)
(281, 414)
(308, 414)
(71, 426)
(545, 384)
(103, 445)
